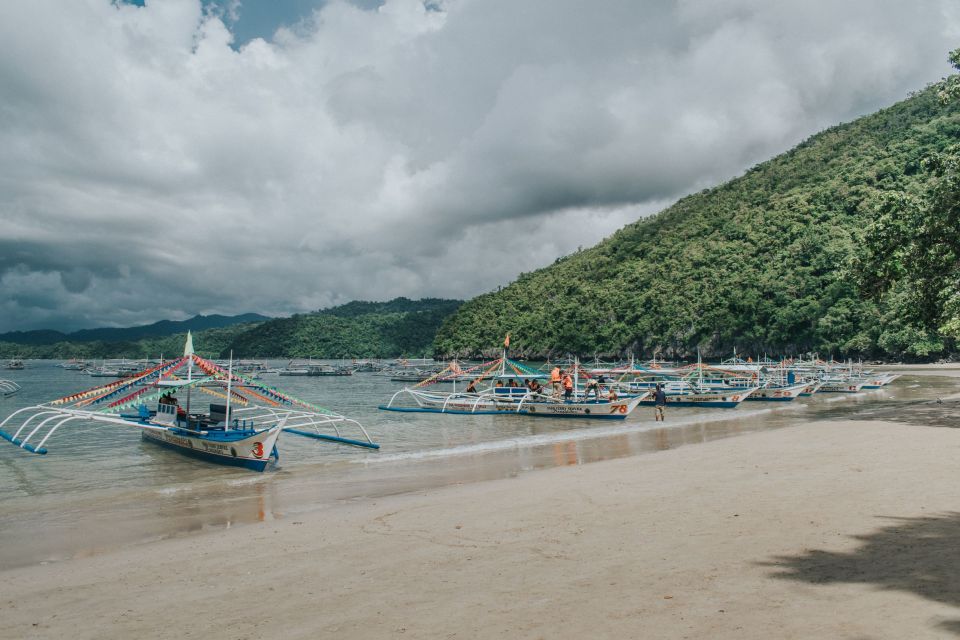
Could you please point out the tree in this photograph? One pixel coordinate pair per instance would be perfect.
(913, 244)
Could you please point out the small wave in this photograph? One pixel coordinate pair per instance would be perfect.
(241, 482)
(522, 442)
(170, 491)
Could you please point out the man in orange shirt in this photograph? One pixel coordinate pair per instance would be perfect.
(555, 377)
(567, 387)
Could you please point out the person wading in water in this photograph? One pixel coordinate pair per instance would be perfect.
(659, 402)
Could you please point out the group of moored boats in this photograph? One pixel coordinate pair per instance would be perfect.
(614, 391)
(246, 418)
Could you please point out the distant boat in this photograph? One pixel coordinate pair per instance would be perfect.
(8, 387)
(15, 364)
(121, 368)
(75, 364)
(314, 369)
(242, 431)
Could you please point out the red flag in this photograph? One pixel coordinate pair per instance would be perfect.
(506, 341)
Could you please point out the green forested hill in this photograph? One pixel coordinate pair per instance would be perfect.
(400, 327)
(209, 343)
(768, 262)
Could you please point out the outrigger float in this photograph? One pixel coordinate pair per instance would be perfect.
(242, 431)
(507, 394)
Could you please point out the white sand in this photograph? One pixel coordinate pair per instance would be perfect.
(676, 544)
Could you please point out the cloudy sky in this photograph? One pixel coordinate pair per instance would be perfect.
(175, 157)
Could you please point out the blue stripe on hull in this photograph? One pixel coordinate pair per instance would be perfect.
(255, 465)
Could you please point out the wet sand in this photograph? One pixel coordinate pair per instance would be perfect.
(830, 529)
(206, 498)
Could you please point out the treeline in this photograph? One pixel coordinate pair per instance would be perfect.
(777, 261)
(209, 344)
(400, 327)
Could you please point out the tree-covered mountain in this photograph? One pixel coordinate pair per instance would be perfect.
(400, 327)
(209, 343)
(774, 261)
(130, 334)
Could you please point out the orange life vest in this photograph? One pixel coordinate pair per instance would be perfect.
(555, 375)
(567, 382)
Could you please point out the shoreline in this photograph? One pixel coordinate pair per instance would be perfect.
(685, 543)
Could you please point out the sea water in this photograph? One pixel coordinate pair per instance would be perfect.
(101, 486)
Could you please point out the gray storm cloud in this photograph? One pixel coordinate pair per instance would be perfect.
(151, 169)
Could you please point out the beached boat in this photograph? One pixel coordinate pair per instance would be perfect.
(876, 381)
(811, 388)
(240, 429)
(507, 393)
(501, 401)
(706, 399)
(842, 385)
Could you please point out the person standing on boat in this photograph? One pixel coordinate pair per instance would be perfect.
(593, 386)
(659, 402)
(567, 387)
(601, 380)
(555, 377)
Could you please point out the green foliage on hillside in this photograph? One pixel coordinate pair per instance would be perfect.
(209, 344)
(913, 246)
(400, 327)
(768, 262)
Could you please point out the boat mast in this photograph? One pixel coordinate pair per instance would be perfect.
(576, 378)
(226, 421)
(188, 353)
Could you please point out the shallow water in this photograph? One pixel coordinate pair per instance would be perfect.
(101, 487)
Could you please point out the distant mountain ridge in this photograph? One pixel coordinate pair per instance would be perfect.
(130, 334)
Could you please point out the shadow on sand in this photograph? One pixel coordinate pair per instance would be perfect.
(916, 555)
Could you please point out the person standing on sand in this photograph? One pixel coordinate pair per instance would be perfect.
(659, 402)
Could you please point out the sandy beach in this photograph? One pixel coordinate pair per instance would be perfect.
(843, 529)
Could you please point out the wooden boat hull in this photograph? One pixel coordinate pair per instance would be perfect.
(251, 450)
(811, 389)
(777, 394)
(474, 405)
(842, 387)
(726, 400)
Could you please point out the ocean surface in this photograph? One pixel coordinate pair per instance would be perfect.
(102, 487)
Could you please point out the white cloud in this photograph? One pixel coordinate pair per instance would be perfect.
(151, 170)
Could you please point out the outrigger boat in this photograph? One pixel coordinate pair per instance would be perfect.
(8, 387)
(502, 399)
(243, 431)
